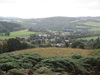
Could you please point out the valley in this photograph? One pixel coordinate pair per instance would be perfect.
(54, 45)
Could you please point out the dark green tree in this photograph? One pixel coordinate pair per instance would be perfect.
(30, 29)
(97, 43)
(81, 46)
(1, 48)
(13, 44)
(77, 44)
(66, 44)
(7, 34)
(24, 45)
(4, 46)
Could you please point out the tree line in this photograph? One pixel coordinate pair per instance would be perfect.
(13, 44)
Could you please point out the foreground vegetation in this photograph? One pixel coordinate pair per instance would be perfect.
(34, 64)
(96, 52)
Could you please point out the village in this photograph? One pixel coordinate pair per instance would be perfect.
(54, 39)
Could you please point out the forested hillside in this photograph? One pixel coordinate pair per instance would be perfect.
(67, 24)
(60, 23)
(80, 26)
(8, 26)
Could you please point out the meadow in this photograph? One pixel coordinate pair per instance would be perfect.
(21, 34)
(88, 38)
(56, 51)
(93, 26)
(96, 26)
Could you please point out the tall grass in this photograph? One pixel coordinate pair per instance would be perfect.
(54, 51)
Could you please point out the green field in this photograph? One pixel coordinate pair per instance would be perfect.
(93, 26)
(21, 34)
(88, 38)
(81, 27)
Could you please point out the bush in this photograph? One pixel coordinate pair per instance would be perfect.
(93, 62)
(97, 46)
(81, 46)
(47, 45)
(76, 56)
(13, 44)
(77, 44)
(24, 60)
(24, 45)
(42, 70)
(32, 46)
(2, 73)
(16, 72)
(61, 65)
(7, 66)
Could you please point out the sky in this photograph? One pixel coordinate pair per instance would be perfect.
(49, 8)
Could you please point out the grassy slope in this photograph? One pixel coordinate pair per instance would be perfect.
(96, 26)
(89, 38)
(21, 34)
(54, 51)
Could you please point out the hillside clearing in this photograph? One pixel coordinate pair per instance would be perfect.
(88, 38)
(54, 51)
(93, 26)
(21, 34)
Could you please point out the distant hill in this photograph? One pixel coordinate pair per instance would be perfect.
(65, 23)
(60, 23)
(8, 26)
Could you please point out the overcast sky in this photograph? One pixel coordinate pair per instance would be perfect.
(49, 8)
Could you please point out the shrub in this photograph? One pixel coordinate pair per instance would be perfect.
(97, 46)
(24, 45)
(24, 60)
(77, 44)
(2, 73)
(7, 66)
(13, 44)
(76, 56)
(61, 64)
(44, 69)
(92, 65)
(32, 46)
(16, 72)
(30, 62)
(81, 46)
